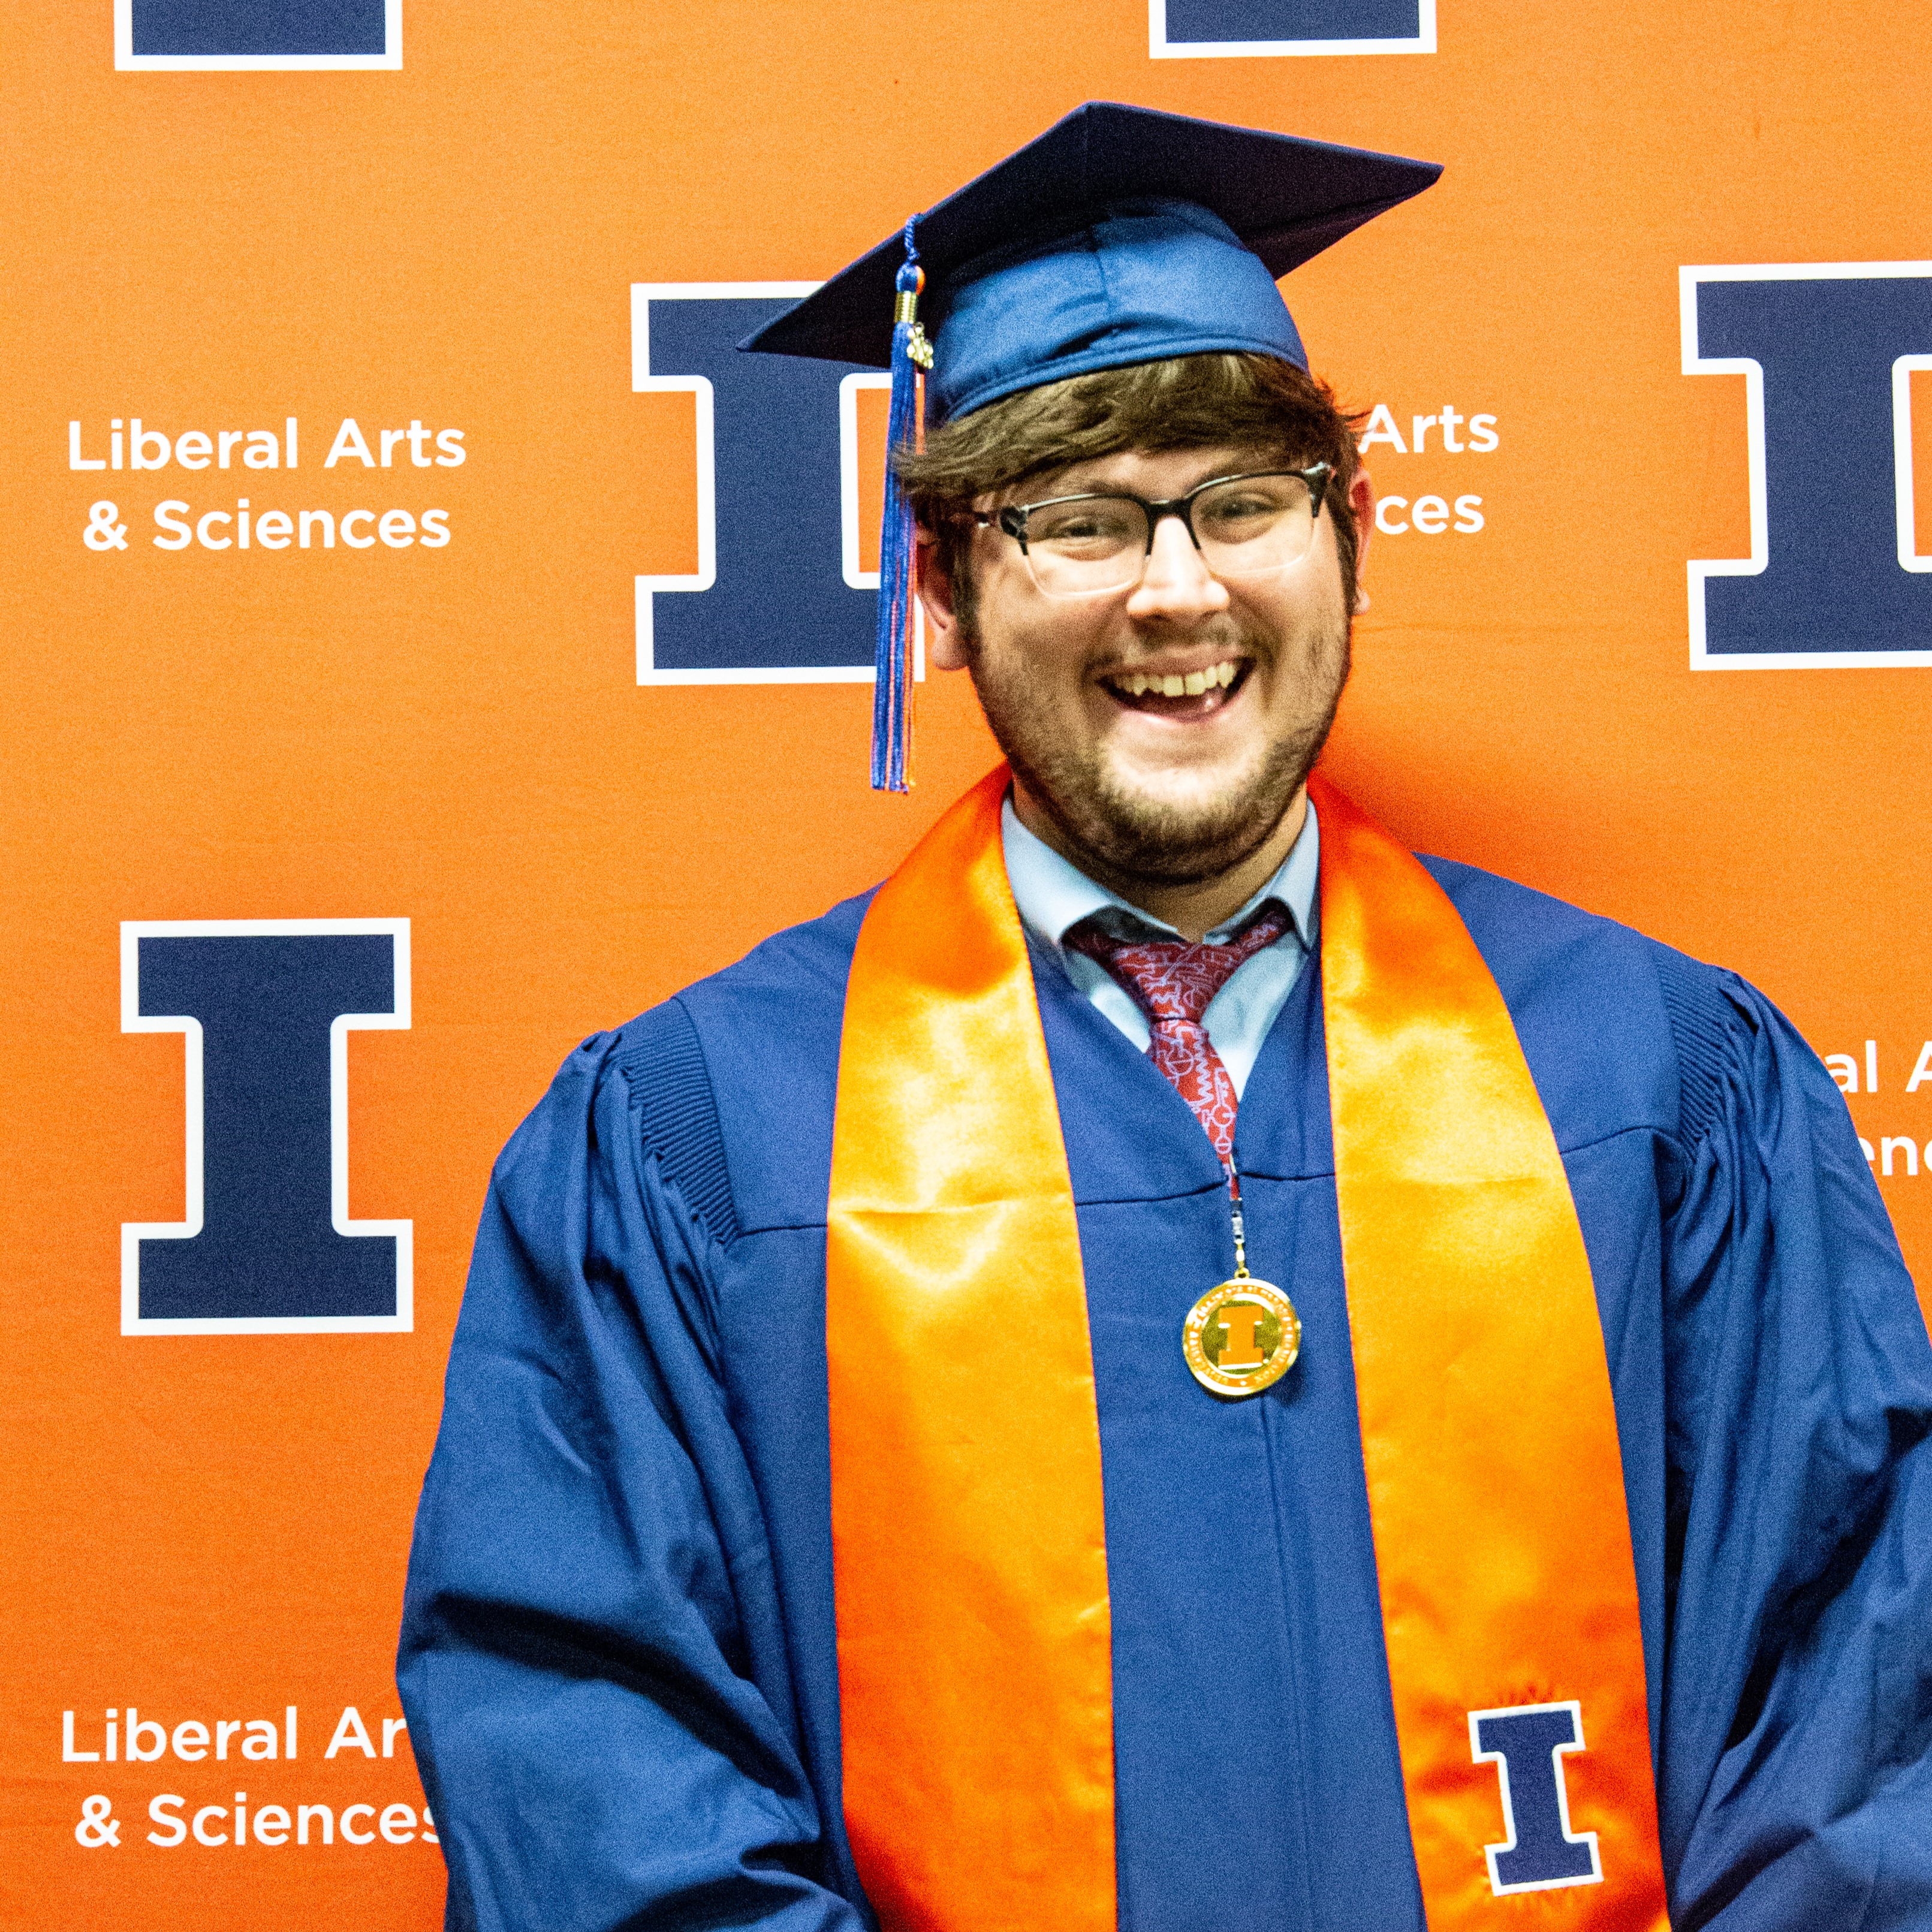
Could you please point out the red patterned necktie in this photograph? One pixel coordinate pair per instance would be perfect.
(1171, 981)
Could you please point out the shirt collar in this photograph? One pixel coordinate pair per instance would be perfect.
(1053, 894)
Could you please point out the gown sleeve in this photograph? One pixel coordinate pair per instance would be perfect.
(591, 1663)
(1795, 1773)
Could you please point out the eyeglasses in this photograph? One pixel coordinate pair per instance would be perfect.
(1100, 541)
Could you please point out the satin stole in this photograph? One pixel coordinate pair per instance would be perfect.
(968, 1537)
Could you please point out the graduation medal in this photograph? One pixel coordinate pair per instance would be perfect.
(1243, 1336)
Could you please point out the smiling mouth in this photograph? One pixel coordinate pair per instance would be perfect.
(1194, 694)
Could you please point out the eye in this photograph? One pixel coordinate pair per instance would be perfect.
(1248, 508)
(1094, 524)
(1237, 509)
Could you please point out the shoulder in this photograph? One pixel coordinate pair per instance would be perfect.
(732, 1081)
(1620, 1030)
(777, 1009)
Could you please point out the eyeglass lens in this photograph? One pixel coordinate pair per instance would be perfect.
(1245, 527)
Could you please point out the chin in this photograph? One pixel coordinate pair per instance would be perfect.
(1206, 792)
(1154, 780)
(1175, 833)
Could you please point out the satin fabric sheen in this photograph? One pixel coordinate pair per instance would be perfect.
(967, 1520)
(967, 1526)
(1495, 1481)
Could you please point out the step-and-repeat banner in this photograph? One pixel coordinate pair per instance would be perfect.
(427, 641)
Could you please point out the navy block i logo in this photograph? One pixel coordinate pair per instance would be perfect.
(1527, 1743)
(1233, 29)
(197, 35)
(1827, 350)
(266, 1246)
(778, 596)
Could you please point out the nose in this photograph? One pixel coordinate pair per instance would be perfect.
(1176, 585)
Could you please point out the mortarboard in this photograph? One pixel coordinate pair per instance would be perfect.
(1121, 235)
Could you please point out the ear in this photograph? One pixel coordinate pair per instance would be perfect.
(1362, 508)
(943, 650)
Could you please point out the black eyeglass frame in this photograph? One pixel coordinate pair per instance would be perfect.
(1013, 519)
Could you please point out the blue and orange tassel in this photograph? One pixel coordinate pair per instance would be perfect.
(891, 689)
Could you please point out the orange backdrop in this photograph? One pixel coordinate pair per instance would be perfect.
(214, 1527)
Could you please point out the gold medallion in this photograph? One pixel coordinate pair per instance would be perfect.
(1241, 1337)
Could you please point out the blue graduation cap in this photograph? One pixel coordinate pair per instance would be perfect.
(1121, 235)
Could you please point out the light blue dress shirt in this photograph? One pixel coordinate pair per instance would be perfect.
(1053, 895)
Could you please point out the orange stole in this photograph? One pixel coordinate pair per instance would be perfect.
(968, 1535)
(975, 1666)
(1495, 1481)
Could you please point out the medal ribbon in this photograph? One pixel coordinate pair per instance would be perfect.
(968, 1535)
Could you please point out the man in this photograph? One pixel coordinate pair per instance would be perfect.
(874, 1486)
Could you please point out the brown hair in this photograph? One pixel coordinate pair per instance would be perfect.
(1186, 402)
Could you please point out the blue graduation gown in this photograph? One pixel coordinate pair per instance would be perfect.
(618, 1654)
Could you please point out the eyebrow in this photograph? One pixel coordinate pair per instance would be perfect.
(1071, 483)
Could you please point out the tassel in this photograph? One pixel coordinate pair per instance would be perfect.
(892, 657)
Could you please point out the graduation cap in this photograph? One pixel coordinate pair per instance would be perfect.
(1121, 235)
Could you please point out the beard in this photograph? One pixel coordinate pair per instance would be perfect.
(1134, 836)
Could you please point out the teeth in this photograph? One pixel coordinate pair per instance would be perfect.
(1136, 684)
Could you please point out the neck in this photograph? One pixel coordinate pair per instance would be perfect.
(1193, 908)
